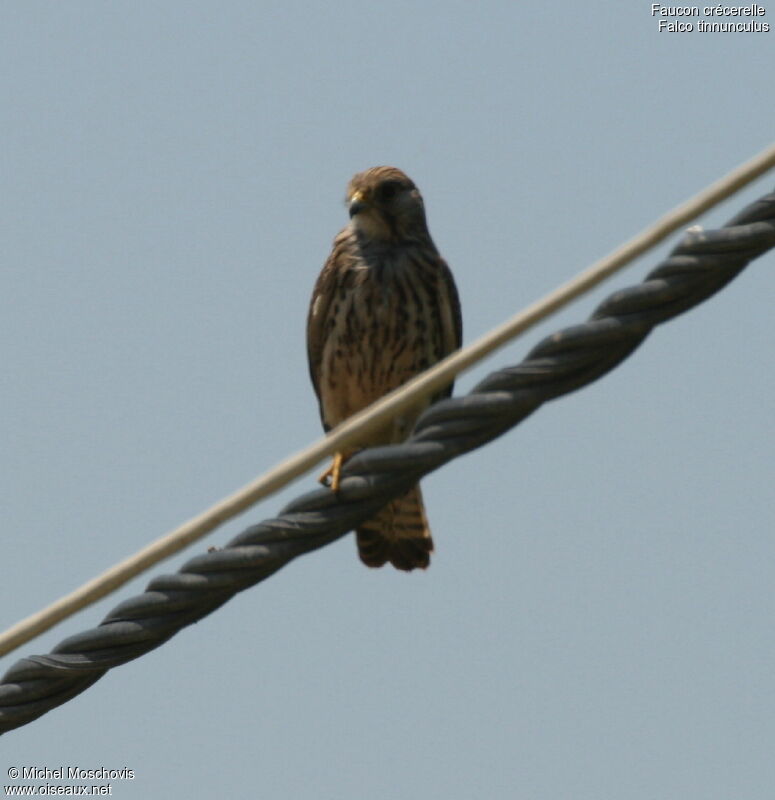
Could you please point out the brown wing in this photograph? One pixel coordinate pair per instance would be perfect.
(316, 322)
(317, 318)
(451, 318)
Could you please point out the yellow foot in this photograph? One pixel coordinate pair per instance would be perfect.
(333, 472)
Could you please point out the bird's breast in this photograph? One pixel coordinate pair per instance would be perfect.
(383, 328)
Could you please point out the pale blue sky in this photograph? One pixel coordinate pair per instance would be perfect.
(598, 620)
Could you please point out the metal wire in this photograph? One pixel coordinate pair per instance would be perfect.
(357, 427)
(699, 266)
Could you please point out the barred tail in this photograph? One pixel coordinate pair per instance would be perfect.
(399, 533)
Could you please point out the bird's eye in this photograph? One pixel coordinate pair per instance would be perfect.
(388, 190)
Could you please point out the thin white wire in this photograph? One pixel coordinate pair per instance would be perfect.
(389, 406)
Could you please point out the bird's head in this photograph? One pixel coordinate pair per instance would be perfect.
(385, 204)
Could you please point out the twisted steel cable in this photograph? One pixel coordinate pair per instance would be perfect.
(699, 266)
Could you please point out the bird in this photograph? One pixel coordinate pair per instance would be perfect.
(384, 308)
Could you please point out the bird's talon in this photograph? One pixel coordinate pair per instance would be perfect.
(332, 475)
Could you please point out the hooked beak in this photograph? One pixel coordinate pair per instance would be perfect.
(357, 204)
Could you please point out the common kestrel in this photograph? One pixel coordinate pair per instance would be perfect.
(384, 308)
